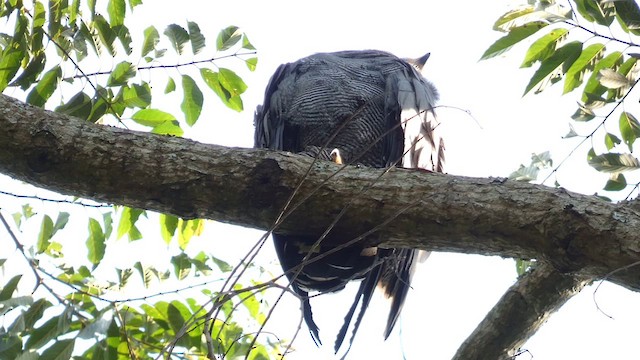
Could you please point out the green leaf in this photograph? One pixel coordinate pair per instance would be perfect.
(611, 141)
(616, 182)
(121, 74)
(39, 20)
(192, 102)
(9, 288)
(123, 277)
(10, 345)
(227, 85)
(189, 228)
(9, 64)
(200, 263)
(612, 162)
(171, 86)
(60, 350)
(161, 122)
(14, 302)
(108, 224)
(151, 117)
(95, 243)
(544, 46)
(246, 44)
(629, 129)
(251, 303)
(134, 3)
(79, 106)
(178, 36)
(542, 160)
(586, 60)
(123, 34)
(86, 35)
(572, 132)
(593, 88)
(168, 226)
(31, 72)
(583, 114)
(612, 79)
(171, 128)
(181, 265)
(525, 173)
(252, 63)
(227, 38)
(595, 102)
(61, 222)
(550, 68)
(74, 11)
(628, 15)
(46, 232)
(48, 331)
(116, 10)
(145, 273)
(508, 21)
(151, 39)
(35, 312)
(514, 36)
(127, 223)
(221, 264)
(137, 96)
(594, 12)
(197, 39)
(105, 33)
(180, 320)
(55, 16)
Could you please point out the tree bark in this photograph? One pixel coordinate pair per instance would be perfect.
(520, 312)
(575, 233)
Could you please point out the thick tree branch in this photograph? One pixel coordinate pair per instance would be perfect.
(248, 187)
(520, 312)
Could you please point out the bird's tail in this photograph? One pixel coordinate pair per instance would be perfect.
(395, 280)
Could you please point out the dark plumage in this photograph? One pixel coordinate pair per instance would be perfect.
(370, 108)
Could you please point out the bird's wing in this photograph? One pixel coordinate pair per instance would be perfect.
(409, 101)
(269, 127)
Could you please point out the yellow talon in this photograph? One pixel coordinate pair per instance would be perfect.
(336, 157)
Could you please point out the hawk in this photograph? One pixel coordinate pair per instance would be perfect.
(367, 108)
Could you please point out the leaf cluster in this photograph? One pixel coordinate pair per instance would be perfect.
(573, 46)
(53, 326)
(50, 45)
(53, 54)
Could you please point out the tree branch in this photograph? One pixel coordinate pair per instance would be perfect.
(520, 312)
(249, 187)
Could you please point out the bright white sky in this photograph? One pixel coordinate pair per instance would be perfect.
(452, 292)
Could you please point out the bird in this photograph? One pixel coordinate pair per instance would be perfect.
(368, 108)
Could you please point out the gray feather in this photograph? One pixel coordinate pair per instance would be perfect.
(376, 110)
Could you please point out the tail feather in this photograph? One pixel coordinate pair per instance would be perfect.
(365, 292)
(395, 281)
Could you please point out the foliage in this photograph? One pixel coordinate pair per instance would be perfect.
(69, 303)
(573, 45)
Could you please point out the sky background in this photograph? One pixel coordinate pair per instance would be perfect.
(452, 292)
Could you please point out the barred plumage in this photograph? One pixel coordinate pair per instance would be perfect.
(373, 109)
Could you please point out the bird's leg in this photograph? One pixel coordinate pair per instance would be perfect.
(336, 157)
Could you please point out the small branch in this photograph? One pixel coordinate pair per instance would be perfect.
(596, 34)
(523, 308)
(601, 124)
(58, 201)
(172, 66)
